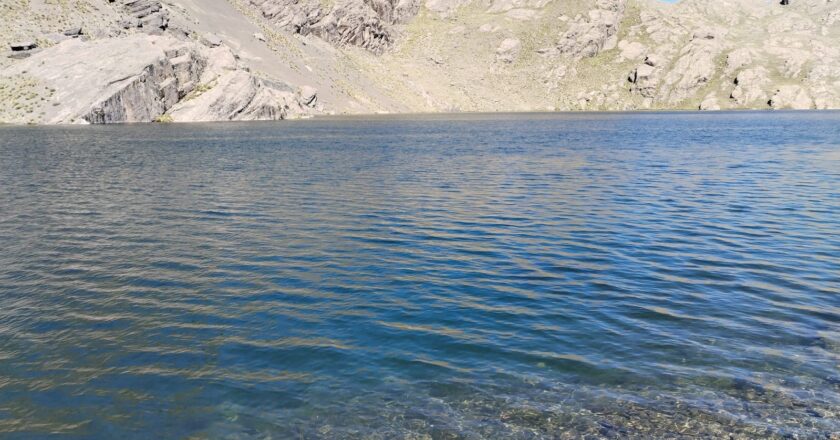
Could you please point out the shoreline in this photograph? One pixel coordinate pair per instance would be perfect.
(453, 116)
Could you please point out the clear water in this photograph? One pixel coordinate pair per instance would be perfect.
(538, 276)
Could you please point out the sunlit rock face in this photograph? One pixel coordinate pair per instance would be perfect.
(363, 23)
(142, 78)
(261, 59)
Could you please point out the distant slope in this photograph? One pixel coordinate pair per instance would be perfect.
(273, 59)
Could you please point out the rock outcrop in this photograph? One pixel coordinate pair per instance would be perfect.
(751, 87)
(141, 78)
(149, 15)
(791, 97)
(364, 23)
(239, 96)
(589, 35)
(739, 54)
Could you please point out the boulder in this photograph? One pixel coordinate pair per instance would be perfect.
(750, 86)
(130, 23)
(710, 103)
(150, 15)
(21, 46)
(508, 50)
(791, 97)
(631, 50)
(641, 74)
(73, 32)
(212, 40)
(653, 60)
(308, 96)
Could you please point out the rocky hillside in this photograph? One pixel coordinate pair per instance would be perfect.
(102, 61)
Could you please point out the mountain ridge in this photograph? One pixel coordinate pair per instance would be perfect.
(277, 59)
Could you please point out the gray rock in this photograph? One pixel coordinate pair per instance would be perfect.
(240, 96)
(750, 86)
(129, 23)
(366, 23)
(631, 50)
(644, 80)
(710, 103)
(588, 36)
(642, 73)
(112, 80)
(653, 60)
(791, 97)
(212, 40)
(147, 14)
(56, 37)
(23, 46)
(308, 96)
(20, 55)
(692, 71)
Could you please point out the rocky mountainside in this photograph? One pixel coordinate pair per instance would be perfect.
(103, 61)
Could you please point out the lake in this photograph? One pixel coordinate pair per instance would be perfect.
(445, 277)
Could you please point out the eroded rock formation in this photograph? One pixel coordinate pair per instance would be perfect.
(143, 78)
(363, 23)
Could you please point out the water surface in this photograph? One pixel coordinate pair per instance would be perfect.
(490, 276)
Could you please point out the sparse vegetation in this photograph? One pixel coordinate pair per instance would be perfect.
(199, 90)
(22, 96)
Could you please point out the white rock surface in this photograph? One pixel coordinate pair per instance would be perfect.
(141, 78)
(508, 50)
(750, 87)
(132, 79)
(238, 96)
(791, 97)
(587, 36)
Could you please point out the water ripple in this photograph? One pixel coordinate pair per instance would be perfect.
(540, 276)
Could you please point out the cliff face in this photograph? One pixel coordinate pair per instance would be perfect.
(102, 61)
(364, 23)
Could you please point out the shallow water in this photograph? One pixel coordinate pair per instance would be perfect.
(488, 276)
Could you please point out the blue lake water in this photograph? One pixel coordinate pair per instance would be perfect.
(476, 276)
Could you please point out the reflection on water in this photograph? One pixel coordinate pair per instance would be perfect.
(649, 275)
